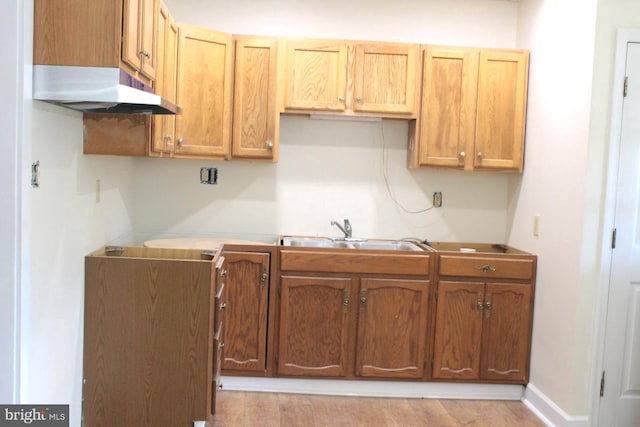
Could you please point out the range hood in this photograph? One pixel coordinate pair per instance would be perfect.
(97, 90)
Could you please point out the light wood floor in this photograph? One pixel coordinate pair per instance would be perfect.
(254, 409)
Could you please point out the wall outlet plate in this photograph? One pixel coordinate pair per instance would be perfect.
(437, 199)
(208, 175)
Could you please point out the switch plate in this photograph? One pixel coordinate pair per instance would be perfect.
(208, 175)
(437, 199)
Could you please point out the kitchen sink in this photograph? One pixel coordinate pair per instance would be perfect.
(323, 242)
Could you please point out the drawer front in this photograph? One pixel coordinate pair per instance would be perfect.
(355, 262)
(486, 267)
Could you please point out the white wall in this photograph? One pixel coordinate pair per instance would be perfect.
(327, 170)
(67, 222)
(11, 26)
(554, 187)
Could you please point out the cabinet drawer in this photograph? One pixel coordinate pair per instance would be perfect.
(486, 267)
(355, 262)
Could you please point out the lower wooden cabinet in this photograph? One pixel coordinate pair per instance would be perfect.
(247, 277)
(352, 326)
(484, 319)
(392, 328)
(149, 353)
(314, 326)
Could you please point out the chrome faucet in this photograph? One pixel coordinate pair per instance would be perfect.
(346, 229)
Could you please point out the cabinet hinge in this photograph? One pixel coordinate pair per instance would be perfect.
(436, 296)
(602, 385)
(625, 89)
(613, 238)
(432, 364)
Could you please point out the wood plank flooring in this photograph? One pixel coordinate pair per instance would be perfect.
(255, 409)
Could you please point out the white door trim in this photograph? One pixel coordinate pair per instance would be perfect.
(624, 37)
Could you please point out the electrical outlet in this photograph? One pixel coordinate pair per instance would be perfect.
(208, 175)
(437, 199)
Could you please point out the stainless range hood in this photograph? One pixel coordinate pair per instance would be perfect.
(97, 90)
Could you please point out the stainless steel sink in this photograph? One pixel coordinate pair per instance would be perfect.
(323, 242)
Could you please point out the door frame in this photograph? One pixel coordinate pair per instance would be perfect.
(624, 36)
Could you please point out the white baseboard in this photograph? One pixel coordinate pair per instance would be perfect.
(376, 388)
(550, 413)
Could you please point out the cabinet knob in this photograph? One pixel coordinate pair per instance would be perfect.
(145, 53)
(270, 145)
(263, 277)
(180, 141)
(220, 386)
(462, 155)
(221, 346)
(223, 306)
(223, 273)
(341, 98)
(359, 99)
(480, 154)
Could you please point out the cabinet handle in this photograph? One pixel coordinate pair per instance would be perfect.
(223, 306)
(480, 154)
(486, 268)
(363, 299)
(346, 301)
(341, 98)
(488, 305)
(359, 99)
(462, 155)
(480, 304)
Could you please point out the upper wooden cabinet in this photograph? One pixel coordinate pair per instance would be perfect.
(386, 78)
(351, 78)
(97, 33)
(140, 19)
(204, 92)
(256, 119)
(473, 109)
(163, 126)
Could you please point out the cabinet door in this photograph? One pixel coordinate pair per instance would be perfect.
(507, 332)
(502, 97)
(385, 78)
(458, 336)
(448, 114)
(314, 319)
(204, 93)
(316, 76)
(138, 35)
(162, 140)
(245, 329)
(392, 328)
(255, 111)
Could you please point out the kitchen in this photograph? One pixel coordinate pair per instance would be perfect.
(333, 170)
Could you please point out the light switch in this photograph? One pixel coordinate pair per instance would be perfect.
(536, 225)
